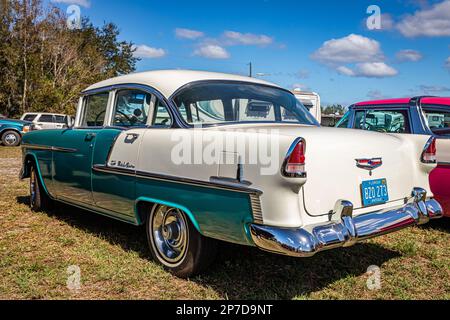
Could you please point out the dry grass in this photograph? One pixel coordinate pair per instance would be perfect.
(37, 248)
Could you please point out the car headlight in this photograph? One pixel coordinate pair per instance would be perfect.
(26, 129)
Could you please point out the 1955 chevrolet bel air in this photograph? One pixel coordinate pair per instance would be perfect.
(198, 157)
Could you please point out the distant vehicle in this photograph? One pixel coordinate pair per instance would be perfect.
(311, 101)
(420, 115)
(47, 120)
(11, 131)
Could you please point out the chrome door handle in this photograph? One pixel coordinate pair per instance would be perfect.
(90, 137)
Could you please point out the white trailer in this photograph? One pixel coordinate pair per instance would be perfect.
(311, 101)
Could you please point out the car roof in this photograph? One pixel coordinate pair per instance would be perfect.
(436, 100)
(169, 81)
(401, 101)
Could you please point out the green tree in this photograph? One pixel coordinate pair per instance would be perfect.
(44, 65)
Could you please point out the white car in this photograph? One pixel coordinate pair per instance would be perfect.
(47, 120)
(198, 157)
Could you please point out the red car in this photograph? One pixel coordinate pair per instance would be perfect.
(418, 115)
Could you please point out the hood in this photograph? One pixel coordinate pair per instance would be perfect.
(14, 122)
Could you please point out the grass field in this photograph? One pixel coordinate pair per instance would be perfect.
(37, 248)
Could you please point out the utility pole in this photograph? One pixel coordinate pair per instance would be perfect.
(250, 65)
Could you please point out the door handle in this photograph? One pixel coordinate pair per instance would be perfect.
(90, 137)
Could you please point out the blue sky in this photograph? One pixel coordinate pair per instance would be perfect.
(323, 46)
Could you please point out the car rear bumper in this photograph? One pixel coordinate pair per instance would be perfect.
(307, 241)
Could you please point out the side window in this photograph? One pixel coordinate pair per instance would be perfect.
(390, 121)
(131, 108)
(438, 119)
(48, 118)
(60, 119)
(343, 123)
(161, 116)
(94, 111)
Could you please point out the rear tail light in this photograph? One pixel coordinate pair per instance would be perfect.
(429, 152)
(294, 163)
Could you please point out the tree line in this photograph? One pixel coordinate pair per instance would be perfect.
(44, 65)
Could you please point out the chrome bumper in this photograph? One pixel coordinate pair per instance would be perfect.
(307, 241)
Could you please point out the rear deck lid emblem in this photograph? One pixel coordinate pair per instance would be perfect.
(369, 164)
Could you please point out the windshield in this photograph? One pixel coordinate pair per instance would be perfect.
(228, 102)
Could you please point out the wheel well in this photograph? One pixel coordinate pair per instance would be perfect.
(143, 206)
(27, 163)
(10, 129)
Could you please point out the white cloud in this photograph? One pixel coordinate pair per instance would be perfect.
(83, 3)
(146, 52)
(300, 87)
(376, 95)
(188, 34)
(350, 49)
(429, 22)
(237, 38)
(354, 56)
(387, 22)
(431, 89)
(346, 71)
(409, 55)
(375, 70)
(212, 51)
(369, 70)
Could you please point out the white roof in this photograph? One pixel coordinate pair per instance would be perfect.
(168, 81)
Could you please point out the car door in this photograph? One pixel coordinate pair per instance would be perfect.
(438, 120)
(59, 121)
(73, 155)
(117, 148)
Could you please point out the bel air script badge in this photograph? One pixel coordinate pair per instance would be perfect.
(120, 164)
(369, 164)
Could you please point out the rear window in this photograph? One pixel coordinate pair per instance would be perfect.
(438, 120)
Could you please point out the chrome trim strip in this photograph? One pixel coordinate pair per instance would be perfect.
(255, 203)
(307, 241)
(443, 163)
(48, 148)
(163, 177)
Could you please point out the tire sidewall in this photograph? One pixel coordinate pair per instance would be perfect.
(17, 135)
(188, 265)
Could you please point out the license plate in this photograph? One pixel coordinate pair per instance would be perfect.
(374, 192)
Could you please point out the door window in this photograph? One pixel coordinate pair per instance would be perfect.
(390, 121)
(132, 108)
(60, 119)
(95, 110)
(161, 116)
(438, 120)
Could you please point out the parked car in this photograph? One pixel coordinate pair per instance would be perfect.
(419, 115)
(122, 160)
(11, 131)
(47, 120)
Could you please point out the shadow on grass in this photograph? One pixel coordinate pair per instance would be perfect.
(242, 272)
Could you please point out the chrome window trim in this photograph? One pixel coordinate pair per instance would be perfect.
(176, 118)
(186, 86)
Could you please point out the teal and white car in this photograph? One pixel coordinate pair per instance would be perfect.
(198, 157)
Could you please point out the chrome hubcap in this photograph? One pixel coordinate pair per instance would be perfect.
(170, 233)
(10, 139)
(32, 187)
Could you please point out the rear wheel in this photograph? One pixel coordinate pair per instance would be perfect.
(39, 200)
(176, 244)
(11, 138)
